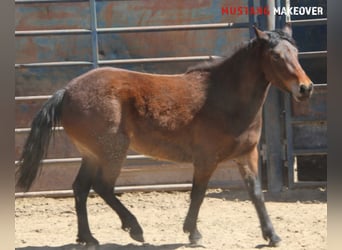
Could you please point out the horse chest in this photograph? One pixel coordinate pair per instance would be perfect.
(226, 143)
(237, 146)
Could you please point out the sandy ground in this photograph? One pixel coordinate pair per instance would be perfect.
(227, 220)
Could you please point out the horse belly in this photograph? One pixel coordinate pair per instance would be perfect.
(162, 146)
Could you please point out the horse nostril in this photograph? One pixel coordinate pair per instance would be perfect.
(302, 89)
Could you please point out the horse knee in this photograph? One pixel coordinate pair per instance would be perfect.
(77, 187)
(257, 189)
(81, 190)
(102, 189)
(254, 188)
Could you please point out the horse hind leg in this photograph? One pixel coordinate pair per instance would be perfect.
(128, 220)
(81, 187)
(248, 167)
(114, 154)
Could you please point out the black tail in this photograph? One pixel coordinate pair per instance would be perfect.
(37, 142)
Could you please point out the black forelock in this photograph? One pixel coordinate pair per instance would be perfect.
(276, 35)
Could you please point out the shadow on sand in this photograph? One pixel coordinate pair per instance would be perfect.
(107, 247)
(301, 195)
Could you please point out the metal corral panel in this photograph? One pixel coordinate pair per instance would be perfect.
(60, 176)
(62, 32)
(309, 123)
(310, 136)
(307, 140)
(306, 122)
(117, 45)
(314, 109)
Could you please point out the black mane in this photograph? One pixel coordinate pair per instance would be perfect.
(274, 37)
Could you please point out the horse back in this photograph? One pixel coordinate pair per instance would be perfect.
(148, 108)
(168, 101)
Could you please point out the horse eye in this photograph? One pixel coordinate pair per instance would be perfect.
(276, 57)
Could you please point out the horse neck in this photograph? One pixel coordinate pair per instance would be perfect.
(240, 84)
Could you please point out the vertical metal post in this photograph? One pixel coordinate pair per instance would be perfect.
(270, 17)
(251, 19)
(288, 125)
(288, 16)
(279, 19)
(289, 139)
(273, 127)
(94, 38)
(273, 137)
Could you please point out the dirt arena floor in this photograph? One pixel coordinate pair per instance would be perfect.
(227, 221)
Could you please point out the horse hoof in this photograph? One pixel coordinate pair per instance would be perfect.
(275, 241)
(135, 232)
(88, 241)
(137, 237)
(196, 244)
(195, 238)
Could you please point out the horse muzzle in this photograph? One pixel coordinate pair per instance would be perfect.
(303, 92)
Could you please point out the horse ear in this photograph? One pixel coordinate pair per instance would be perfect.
(260, 34)
(288, 29)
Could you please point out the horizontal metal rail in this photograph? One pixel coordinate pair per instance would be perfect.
(134, 29)
(30, 98)
(320, 85)
(26, 130)
(54, 64)
(117, 190)
(312, 54)
(52, 32)
(317, 151)
(118, 61)
(78, 159)
(48, 1)
(309, 54)
(158, 59)
(174, 27)
(318, 21)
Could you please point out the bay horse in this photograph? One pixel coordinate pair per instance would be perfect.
(209, 114)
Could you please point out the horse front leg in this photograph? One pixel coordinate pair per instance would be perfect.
(199, 186)
(248, 167)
